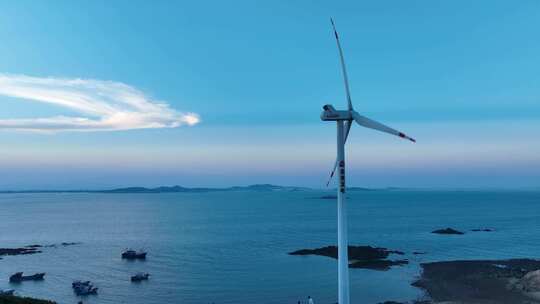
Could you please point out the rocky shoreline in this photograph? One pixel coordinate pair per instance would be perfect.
(4, 299)
(514, 281)
(510, 281)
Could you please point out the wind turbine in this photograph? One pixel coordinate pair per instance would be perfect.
(344, 120)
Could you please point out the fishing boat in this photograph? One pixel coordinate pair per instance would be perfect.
(83, 288)
(140, 277)
(19, 277)
(131, 254)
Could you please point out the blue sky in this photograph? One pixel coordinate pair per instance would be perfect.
(460, 76)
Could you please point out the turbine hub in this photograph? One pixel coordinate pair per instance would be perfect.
(331, 114)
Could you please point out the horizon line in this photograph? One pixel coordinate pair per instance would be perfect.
(145, 189)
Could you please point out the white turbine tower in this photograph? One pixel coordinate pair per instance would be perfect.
(344, 120)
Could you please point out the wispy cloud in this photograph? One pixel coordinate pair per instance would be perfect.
(102, 105)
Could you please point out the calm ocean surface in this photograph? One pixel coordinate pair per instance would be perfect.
(231, 247)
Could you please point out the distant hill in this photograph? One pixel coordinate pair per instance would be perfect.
(375, 189)
(360, 189)
(180, 189)
(173, 189)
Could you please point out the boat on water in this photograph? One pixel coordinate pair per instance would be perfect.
(131, 254)
(80, 283)
(19, 277)
(140, 277)
(83, 288)
(8, 292)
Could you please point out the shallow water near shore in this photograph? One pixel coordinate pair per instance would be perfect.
(231, 247)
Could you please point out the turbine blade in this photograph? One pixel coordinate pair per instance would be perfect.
(372, 124)
(343, 69)
(332, 174)
(348, 126)
(347, 129)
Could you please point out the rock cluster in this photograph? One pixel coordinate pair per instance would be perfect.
(359, 256)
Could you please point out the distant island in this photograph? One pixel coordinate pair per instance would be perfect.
(180, 189)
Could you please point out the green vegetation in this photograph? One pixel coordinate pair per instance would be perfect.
(22, 300)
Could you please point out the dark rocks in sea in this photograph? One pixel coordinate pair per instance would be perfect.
(419, 252)
(34, 246)
(481, 281)
(64, 244)
(447, 231)
(355, 252)
(18, 251)
(70, 243)
(482, 230)
(32, 249)
(359, 256)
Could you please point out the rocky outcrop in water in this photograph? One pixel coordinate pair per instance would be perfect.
(70, 243)
(19, 251)
(482, 230)
(359, 256)
(447, 231)
(32, 249)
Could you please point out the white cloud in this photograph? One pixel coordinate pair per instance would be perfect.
(103, 105)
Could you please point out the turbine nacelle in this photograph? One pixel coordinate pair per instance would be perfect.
(331, 114)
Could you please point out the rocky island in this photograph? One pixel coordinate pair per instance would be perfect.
(359, 256)
(482, 230)
(447, 231)
(32, 249)
(18, 251)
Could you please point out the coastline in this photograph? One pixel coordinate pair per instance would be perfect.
(512, 281)
(4, 299)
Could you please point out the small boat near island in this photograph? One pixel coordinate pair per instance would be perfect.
(19, 277)
(83, 288)
(131, 254)
(140, 277)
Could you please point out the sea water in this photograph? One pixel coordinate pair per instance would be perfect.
(231, 247)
